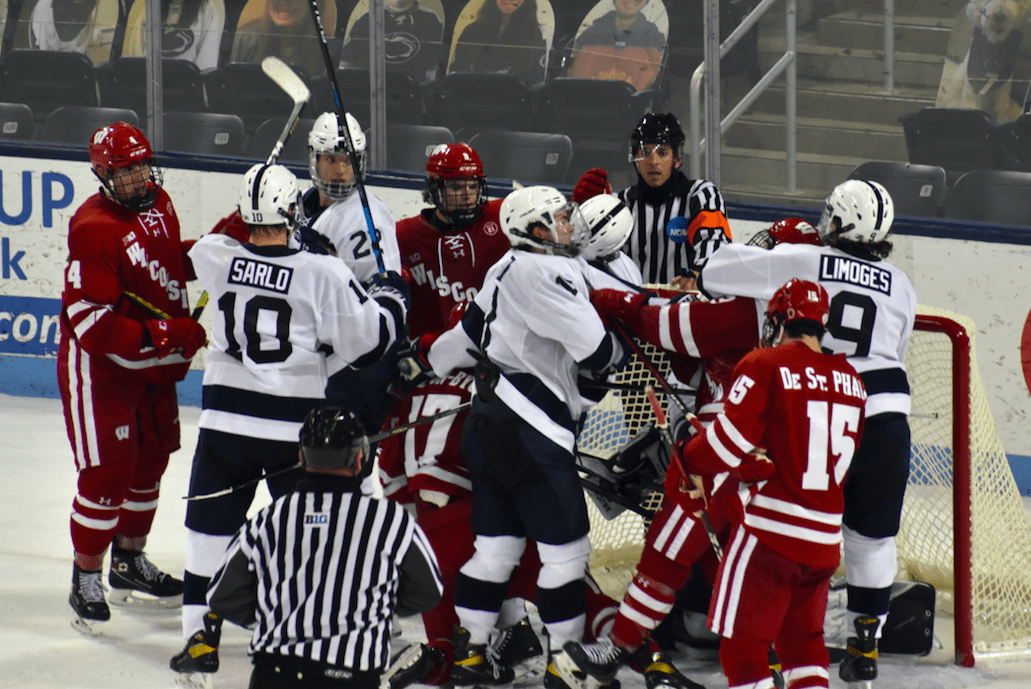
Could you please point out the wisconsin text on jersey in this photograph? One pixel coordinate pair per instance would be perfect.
(443, 286)
(842, 269)
(247, 271)
(158, 273)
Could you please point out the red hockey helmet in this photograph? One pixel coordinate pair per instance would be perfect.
(118, 146)
(797, 300)
(787, 231)
(449, 168)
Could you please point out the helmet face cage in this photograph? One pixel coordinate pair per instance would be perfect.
(608, 224)
(449, 168)
(539, 206)
(331, 438)
(121, 146)
(657, 128)
(796, 300)
(863, 210)
(326, 137)
(269, 196)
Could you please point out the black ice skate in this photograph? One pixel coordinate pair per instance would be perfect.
(859, 668)
(131, 572)
(87, 601)
(565, 673)
(477, 664)
(199, 659)
(659, 671)
(414, 665)
(519, 648)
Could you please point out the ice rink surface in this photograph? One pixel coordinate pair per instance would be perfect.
(40, 650)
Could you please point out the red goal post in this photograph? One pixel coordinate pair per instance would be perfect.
(964, 526)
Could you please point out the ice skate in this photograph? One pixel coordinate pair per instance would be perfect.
(132, 573)
(199, 659)
(565, 673)
(87, 601)
(859, 668)
(477, 664)
(519, 648)
(659, 671)
(413, 665)
(600, 660)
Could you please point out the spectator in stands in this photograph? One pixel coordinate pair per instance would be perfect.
(190, 30)
(412, 38)
(505, 37)
(284, 29)
(74, 26)
(622, 45)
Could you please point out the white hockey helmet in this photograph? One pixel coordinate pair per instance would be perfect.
(326, 137)
(539, 206)
(864, 211)
(269, 196)
(609, 224)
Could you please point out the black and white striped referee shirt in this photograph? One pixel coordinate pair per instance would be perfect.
(321, 571)
(660, 258)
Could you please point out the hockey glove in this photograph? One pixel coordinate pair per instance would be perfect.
(413, 368)
(315, 242)
(754, 467)
(234, 226)
(614, 304)
(183, 335)
(594, 181)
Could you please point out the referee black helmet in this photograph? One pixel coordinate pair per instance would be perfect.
(658, 128)
(331, 438)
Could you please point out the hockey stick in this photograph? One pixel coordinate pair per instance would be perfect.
(628, 387)
(613, 496)
(158, 313)
(286, 79)
(660, 421)
(372, 439)
(345, 133)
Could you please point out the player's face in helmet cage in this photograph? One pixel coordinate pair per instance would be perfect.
(460, 201)
(329, 162)
(121, 158)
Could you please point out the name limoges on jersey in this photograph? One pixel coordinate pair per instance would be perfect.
(247, 271)
(843, 269)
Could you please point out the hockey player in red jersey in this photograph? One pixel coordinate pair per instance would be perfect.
(450, 247)
(805, 408)
(118, 364)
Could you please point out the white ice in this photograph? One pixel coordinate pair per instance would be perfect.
(40, 650)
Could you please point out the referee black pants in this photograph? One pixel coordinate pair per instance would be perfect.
(282, 672)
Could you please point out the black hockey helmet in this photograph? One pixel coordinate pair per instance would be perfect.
(658, 128)
(331, 438)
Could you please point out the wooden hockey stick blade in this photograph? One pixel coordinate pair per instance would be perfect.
(286, 79)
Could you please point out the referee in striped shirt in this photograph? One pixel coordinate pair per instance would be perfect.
(664, 197)
(320, 573)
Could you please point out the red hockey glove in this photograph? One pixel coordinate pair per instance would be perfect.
(614, 304)
(754, 467)
(595, 181)
(234, 226)
(183, 335)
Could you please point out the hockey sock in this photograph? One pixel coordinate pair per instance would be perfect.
(95, 509)
(649, 598)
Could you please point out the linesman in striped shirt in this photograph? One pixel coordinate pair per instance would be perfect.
(320, 573)
(678, 222)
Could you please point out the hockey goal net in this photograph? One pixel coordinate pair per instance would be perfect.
(964, 527)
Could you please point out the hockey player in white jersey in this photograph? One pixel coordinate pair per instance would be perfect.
(279, 310)
(533, 323)
(344, 223)
(873, 309)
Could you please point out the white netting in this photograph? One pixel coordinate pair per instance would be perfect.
(1000, 558)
